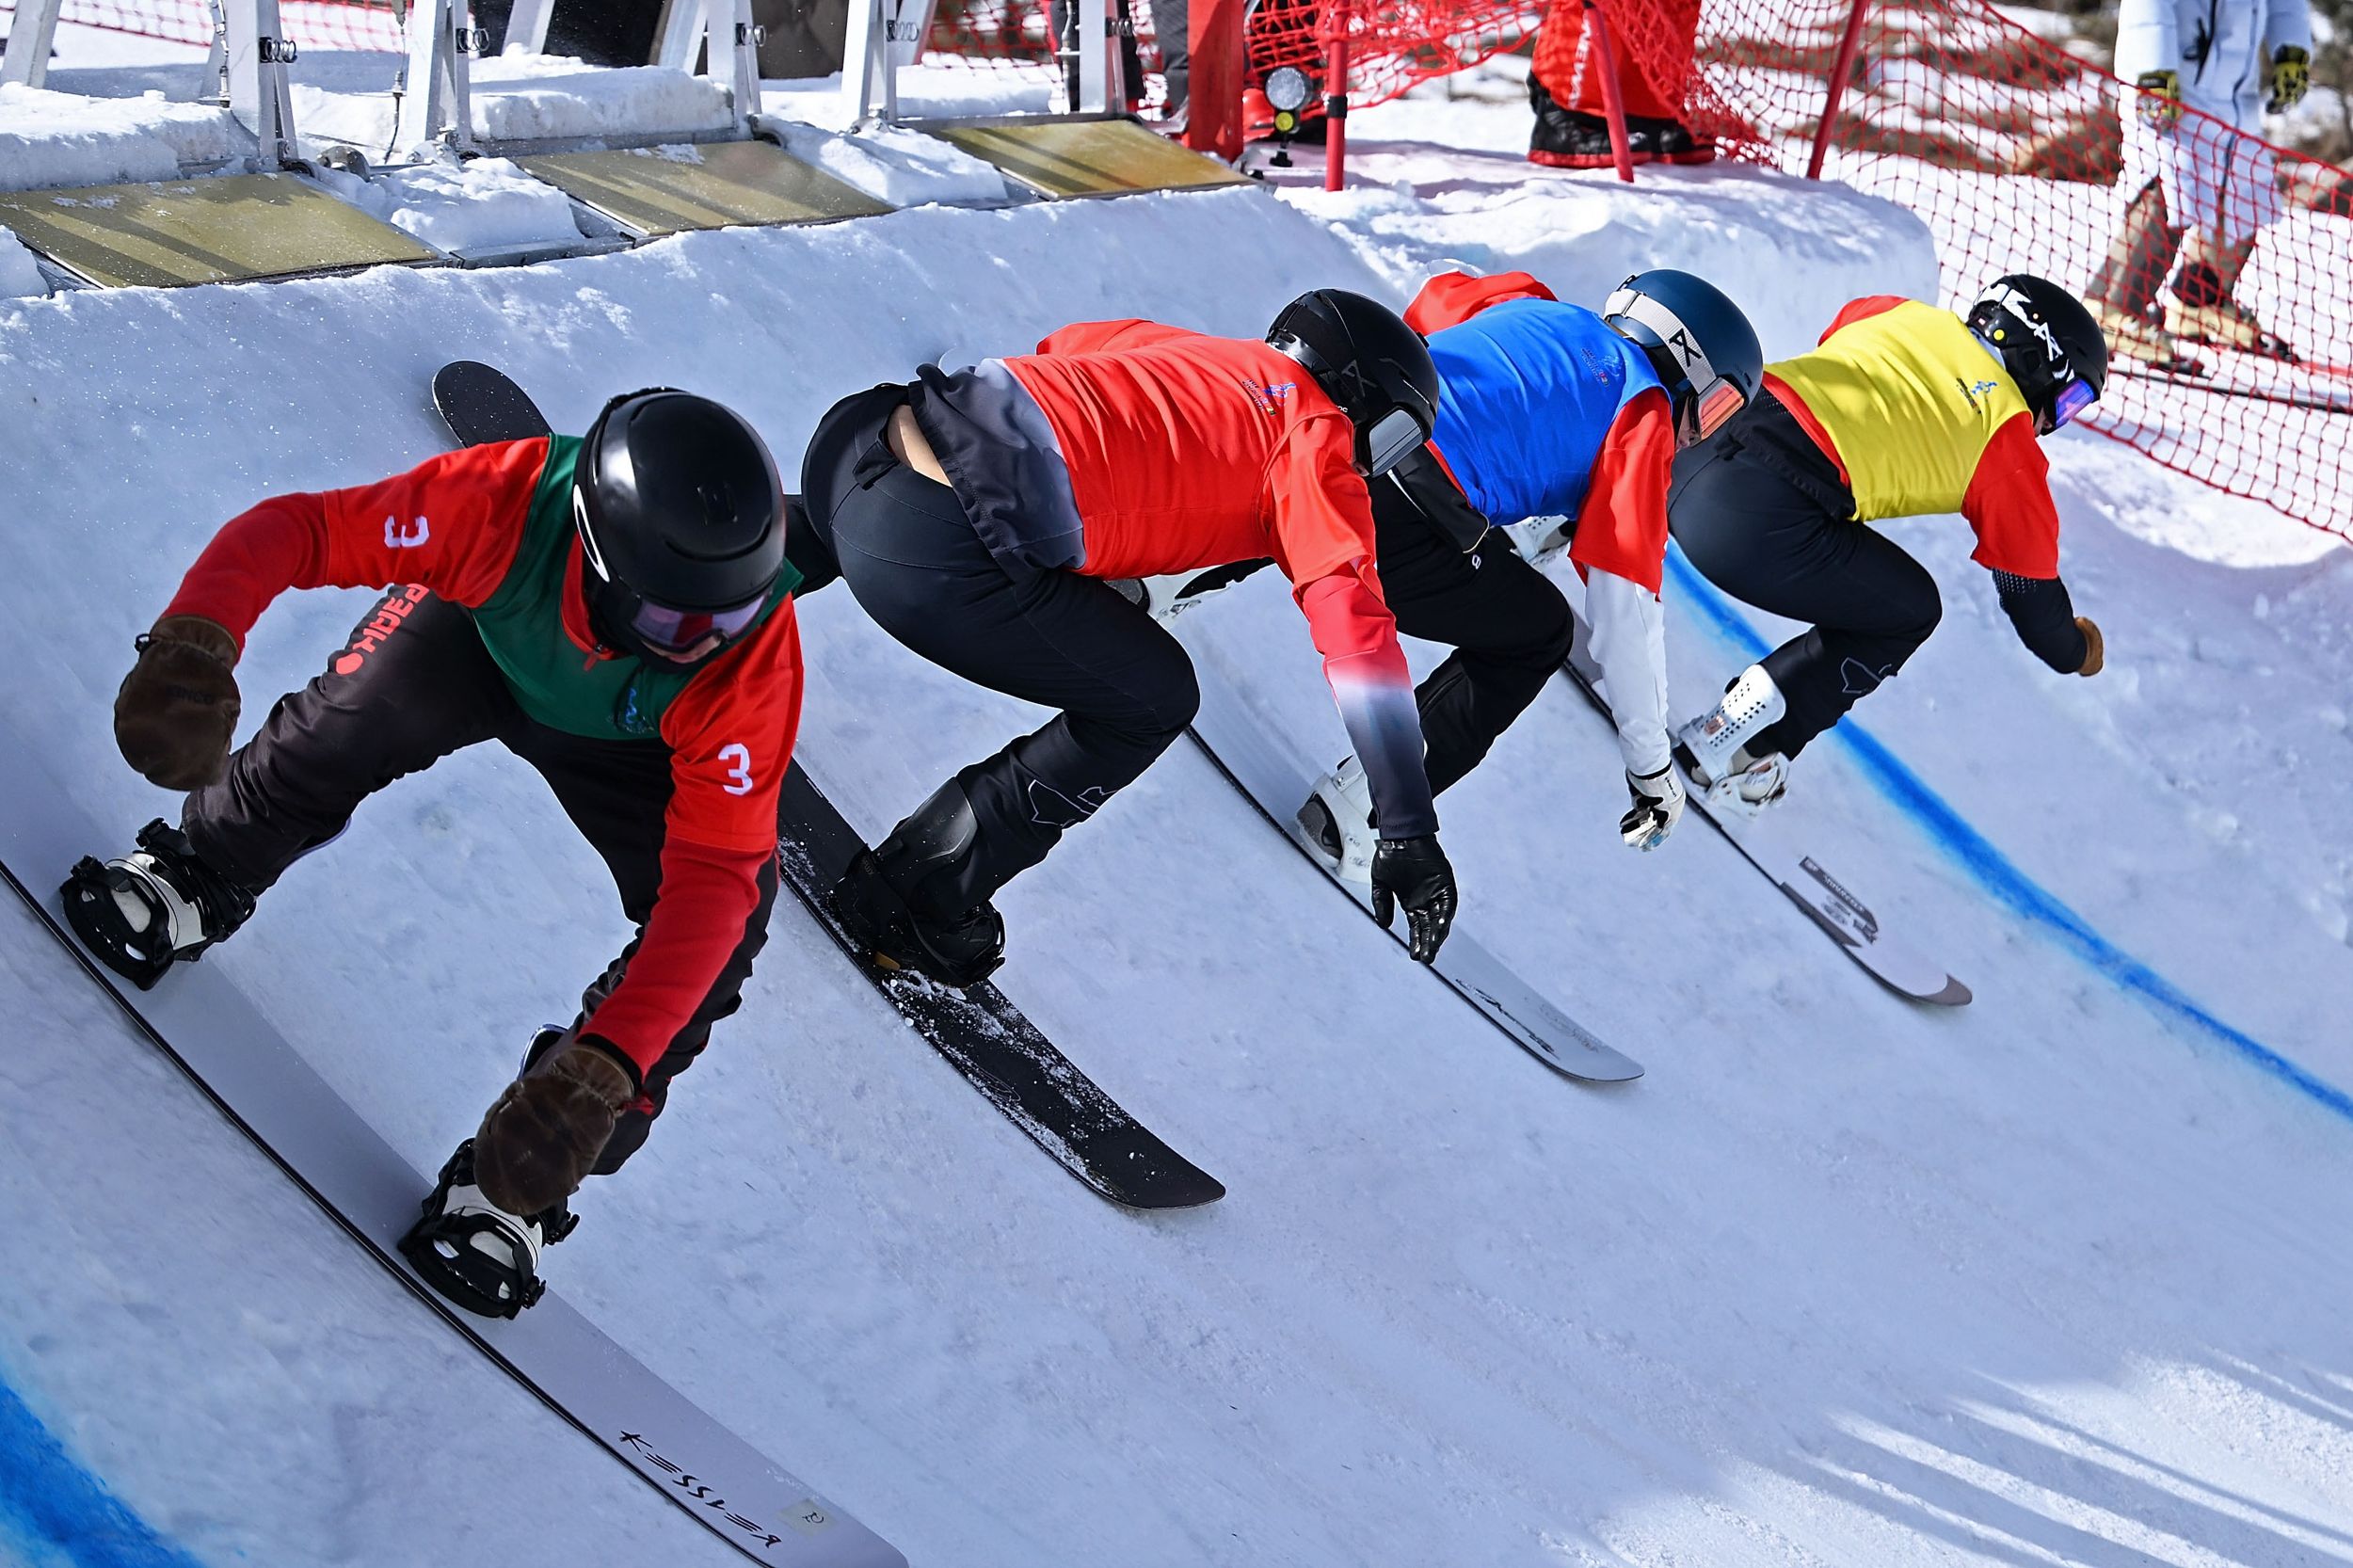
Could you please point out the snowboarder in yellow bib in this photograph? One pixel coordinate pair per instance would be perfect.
(1903, 409)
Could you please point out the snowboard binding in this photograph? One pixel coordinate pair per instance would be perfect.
(1337, 817)
(878, 917)
(158, 906)
(476, 1254)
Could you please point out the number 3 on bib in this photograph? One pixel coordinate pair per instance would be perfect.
(739, 760)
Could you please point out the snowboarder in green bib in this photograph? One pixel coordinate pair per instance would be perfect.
(612, 609)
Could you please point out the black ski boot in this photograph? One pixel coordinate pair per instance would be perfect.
(1568, 138)
(1670, 141)
(158, 906)
(919, 901)
(476, 1254)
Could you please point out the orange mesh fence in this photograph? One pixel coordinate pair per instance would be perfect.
(2022, 158)
(310, 24)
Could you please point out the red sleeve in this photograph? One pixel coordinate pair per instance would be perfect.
(451, 523)
(1374, 689)
(1096, 337)
(1319, 514)
(1622, 528)
(2009, 504)
(730, 733)
(1860, 310)
(1451, 298)
(698, 922)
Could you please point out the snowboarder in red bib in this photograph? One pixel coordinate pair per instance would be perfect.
(1903, 409)
(981, 518)
(615, 611)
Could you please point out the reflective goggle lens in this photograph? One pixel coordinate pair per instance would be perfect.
(1717, 405)
(1392, 438)
(691, 633)
(2073, 399)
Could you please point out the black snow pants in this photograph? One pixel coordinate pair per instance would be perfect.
(395, 702)
(1764, 516)
(1054, 637)
(1507, 624)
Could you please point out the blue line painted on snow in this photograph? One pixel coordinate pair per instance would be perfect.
(1995, 872)
(52, 1509)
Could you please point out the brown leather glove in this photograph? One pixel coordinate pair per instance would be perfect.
(179, 705)
(543, 1134)
(2095, 650)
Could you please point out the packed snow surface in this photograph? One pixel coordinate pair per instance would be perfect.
(20, 277)
(2058, 1278)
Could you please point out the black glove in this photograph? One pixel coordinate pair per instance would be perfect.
(1415, 873)
(1658, 806)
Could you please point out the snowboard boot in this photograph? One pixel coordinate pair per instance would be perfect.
(2203, 311)
(158, 906)
(919, 899)
(1713, 748)
(2137, 337)
(1670, 141)
(476, 1254)
(1338, 820)
(1567, 138)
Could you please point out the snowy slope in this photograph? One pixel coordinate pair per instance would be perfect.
(2058, 1278)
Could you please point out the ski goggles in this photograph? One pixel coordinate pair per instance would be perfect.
(1392, 438)
(2073, 399)
(1706, 400)
(690, 635)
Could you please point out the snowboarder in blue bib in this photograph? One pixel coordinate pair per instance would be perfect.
(1553, 412)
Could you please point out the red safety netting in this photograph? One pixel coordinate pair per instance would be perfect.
(310, 24)
(1391, 44)
(2021, 157)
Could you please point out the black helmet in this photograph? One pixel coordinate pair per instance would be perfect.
(1370, 362)
(2047, 341)
(681, 517)
(1702, 347)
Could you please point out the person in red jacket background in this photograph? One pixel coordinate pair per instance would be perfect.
(1651, 47)
(1903, 408)
(982, 517)
(615, 611)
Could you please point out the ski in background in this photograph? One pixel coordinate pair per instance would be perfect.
(981, 1032)
(1277, 784)
(2260, 378)
(215, 1035)
(1845, 918)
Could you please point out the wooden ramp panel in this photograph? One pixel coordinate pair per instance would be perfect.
(654, 191)
(1087, 157)
(184, 232)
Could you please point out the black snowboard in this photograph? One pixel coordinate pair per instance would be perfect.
(989, 1041)
(481, 405)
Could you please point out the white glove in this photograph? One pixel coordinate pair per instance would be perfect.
(1658, 806)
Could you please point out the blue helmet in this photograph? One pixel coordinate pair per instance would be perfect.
(1704, 351)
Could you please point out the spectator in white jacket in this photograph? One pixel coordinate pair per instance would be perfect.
(2194, 175)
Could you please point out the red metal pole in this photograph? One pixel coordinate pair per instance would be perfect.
(1850, 43)
(1612, 96)
(1336, 95)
